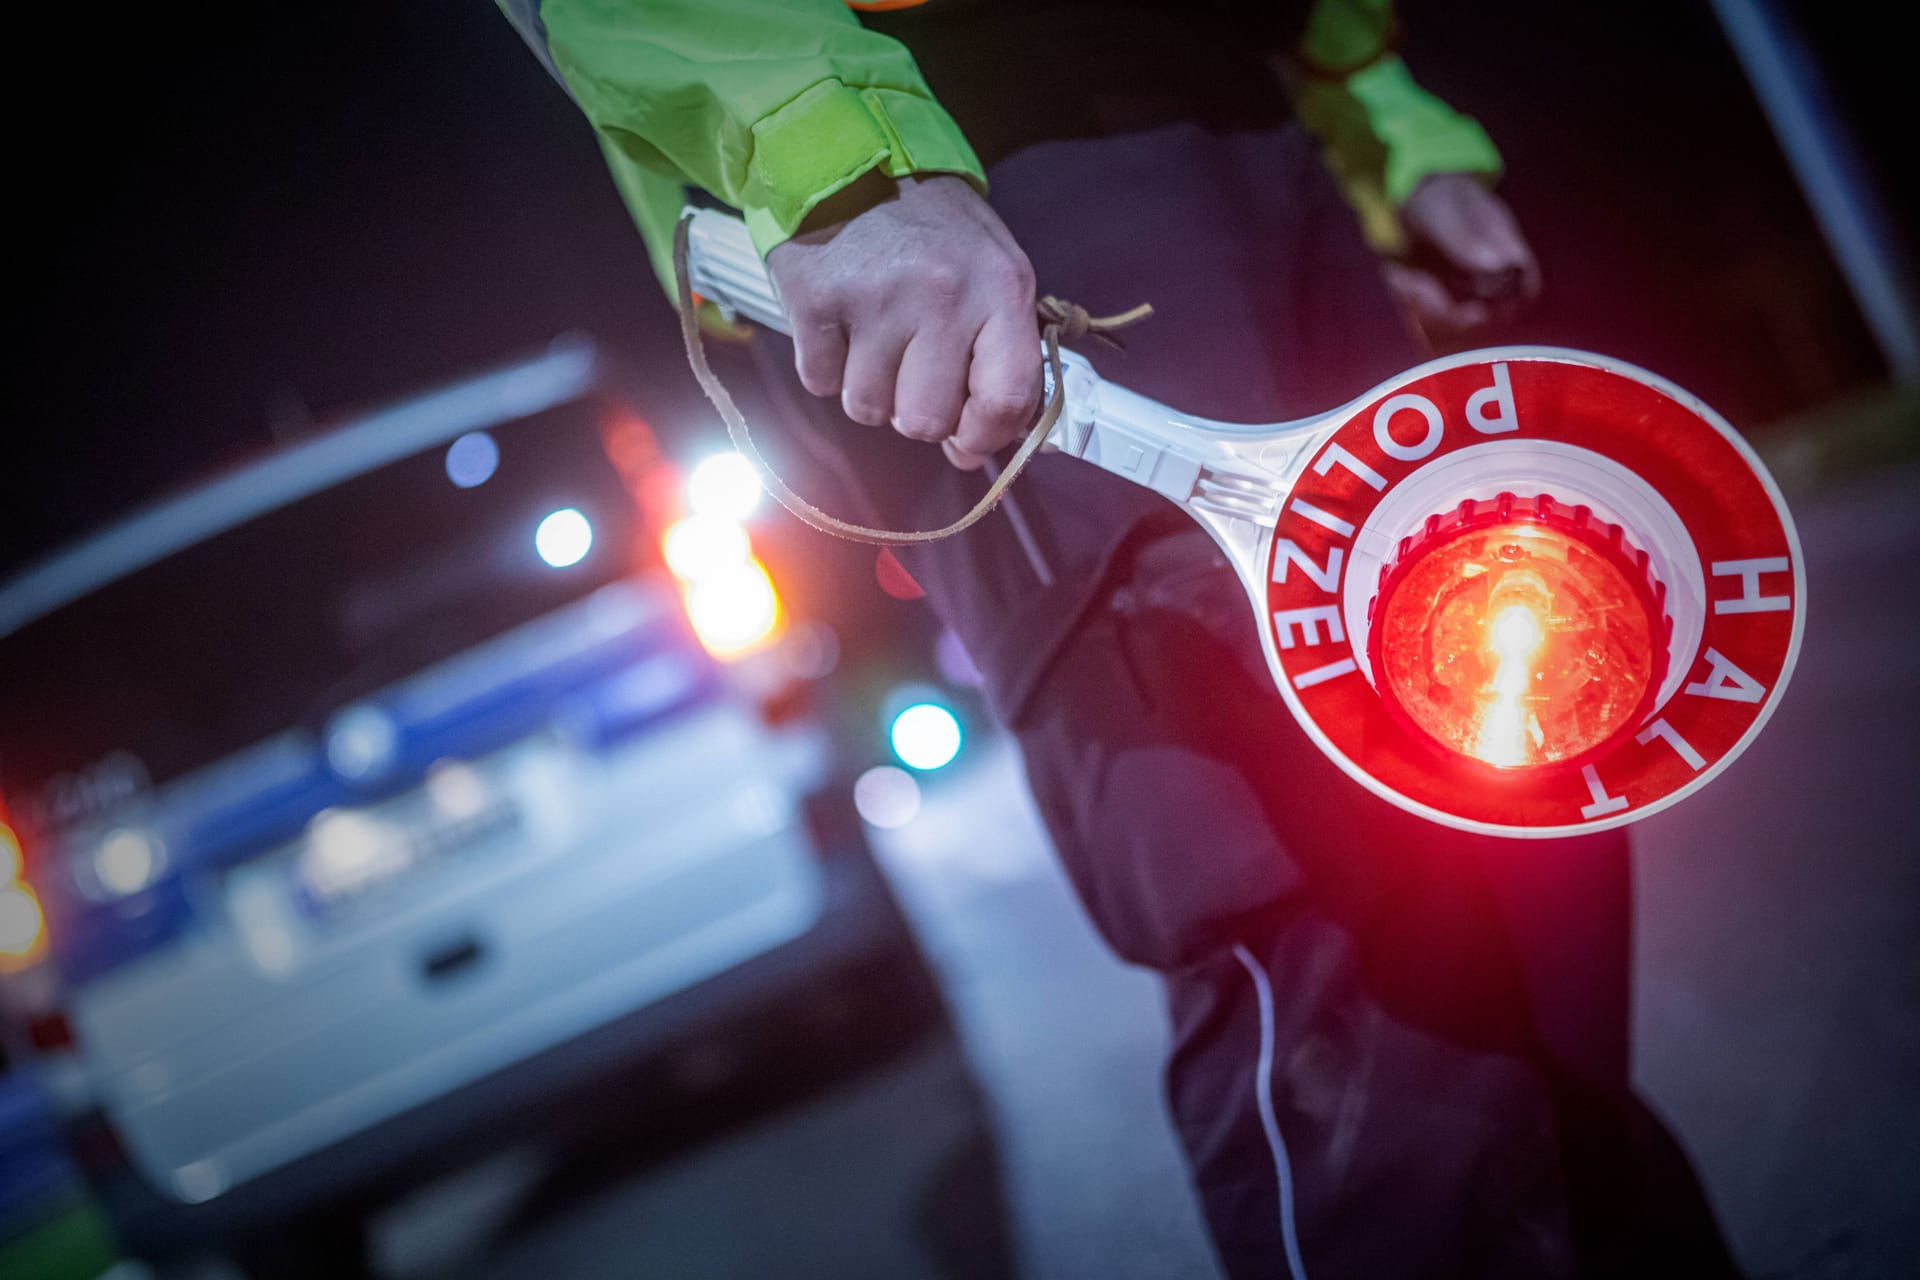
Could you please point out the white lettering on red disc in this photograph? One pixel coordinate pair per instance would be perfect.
(1325, 519)
(1749, 572)
(1308, 620)
(1603, 804)
(1383, 427)
(1287, 552)
(1337, 456)
(1320, 675)
(1725, 681)
(1666, 733)
(1458, 424)
(1501, 417)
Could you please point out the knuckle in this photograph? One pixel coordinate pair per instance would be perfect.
(864, 297)
(922, 426)
(814, 361)
(1012, 274)
(828, 304)
(961, 457)
(944, 284)
(1003, 410)
(814, 307)
(1023, 273)
(864, 407)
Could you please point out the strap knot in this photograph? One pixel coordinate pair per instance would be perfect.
(1069, 321)
(1069, 318)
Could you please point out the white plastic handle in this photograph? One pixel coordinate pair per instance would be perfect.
(726, 270)
(1117, 430)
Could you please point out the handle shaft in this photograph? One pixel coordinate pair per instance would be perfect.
(1107, 425)
(727, 271)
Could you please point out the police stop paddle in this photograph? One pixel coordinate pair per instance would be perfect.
(1523, 591)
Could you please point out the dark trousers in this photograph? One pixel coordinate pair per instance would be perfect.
(1399, 1051)
(1415, 1062)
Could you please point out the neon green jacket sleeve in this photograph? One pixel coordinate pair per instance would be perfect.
(1380, 132)
(774, 105)
(771, 105)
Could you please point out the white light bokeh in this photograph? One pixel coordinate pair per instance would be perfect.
(886, 797)
(347, 851)
(926, 736)
(734, 612)
(456, 790)
(127, 861)
(724, 486)
(701, 547)
(20, 921)
(563, 538)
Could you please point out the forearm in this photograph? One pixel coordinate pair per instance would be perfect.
(1382, 134)
(772, 106)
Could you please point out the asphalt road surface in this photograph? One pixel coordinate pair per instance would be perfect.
(1778, 1023)
(1778, 953)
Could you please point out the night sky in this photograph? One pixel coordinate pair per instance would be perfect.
(240, 225)
(307, 209)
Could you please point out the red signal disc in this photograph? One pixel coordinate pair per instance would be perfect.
(1623, 766)
(1519, 633)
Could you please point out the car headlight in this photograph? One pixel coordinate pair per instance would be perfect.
(127, 860)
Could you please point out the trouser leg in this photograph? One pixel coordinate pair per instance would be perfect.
(1399, 1050)
(1328, 1137)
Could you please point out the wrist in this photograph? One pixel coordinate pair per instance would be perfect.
(865, 192)
(868, 191)
(834, 137)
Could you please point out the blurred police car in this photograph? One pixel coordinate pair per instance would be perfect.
(381, 798)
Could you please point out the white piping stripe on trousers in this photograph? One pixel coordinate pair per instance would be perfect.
(1263, 1093)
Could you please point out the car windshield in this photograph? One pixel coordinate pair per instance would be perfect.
(277, 622)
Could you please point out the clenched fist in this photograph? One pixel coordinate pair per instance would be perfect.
(911, 302)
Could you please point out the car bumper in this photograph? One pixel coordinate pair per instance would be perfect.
(850, 993)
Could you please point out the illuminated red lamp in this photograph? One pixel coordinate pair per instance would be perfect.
(1520, 633)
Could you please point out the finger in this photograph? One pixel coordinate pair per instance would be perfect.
(1503, 285)
(873, 366)
(1421, 292)
(1462, 316)
(1435, 309)
(1516, 275)
(1458, 316)
(820, 357)
(960, 457)
(932, 384)
(1003, 385)
(1474, 231)
(1472, 255)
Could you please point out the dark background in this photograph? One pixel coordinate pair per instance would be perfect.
(240, 224)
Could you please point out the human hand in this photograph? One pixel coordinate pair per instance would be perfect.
(911, 301)
(1468, 265)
